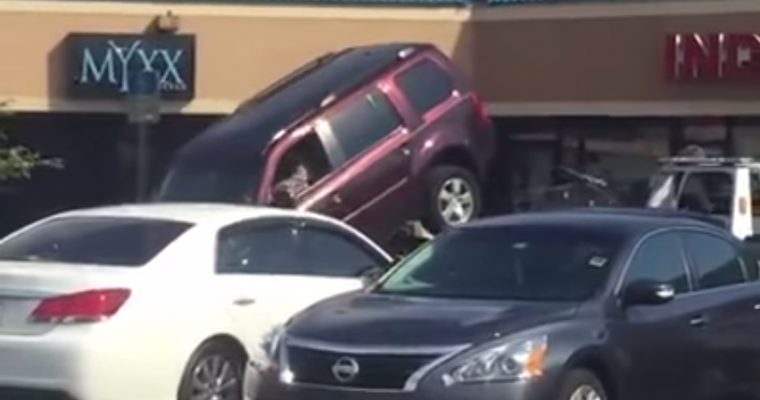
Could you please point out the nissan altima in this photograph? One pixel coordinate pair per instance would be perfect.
(567, 305)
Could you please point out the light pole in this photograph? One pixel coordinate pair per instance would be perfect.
(144, 110)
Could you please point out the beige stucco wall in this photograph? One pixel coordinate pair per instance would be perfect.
(529, 59)
(239, 49)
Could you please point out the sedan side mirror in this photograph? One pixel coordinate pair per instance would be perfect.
(370, 275)
(647, 292)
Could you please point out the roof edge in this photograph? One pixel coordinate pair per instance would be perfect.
(414, 12)
(538, 10)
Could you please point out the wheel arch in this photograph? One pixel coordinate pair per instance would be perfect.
(455, 156)
(226, 340)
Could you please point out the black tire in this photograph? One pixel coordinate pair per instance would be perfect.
(577, 379)
(432, 219)
(205, 353)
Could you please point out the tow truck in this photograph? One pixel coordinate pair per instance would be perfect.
(723, 187)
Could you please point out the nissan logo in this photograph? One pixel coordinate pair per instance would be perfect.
(345, 369)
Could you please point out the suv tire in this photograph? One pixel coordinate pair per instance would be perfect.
(214, 358)
(581, 384)
(453, 196)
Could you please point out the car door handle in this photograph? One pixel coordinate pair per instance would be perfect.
(244, 301)
(336, 199)
(697, 321)
(405, 151)
(756, 307)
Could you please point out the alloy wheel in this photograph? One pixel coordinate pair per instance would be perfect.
(215, 378)
(585, 392)
(456, 202)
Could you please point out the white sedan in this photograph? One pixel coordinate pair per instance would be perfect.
(162, 301)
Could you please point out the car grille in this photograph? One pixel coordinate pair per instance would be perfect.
(14, 393)
(376, 371)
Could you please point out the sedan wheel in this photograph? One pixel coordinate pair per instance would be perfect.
(585, 392)
(215, 378)
(581, 384)
(213, 373)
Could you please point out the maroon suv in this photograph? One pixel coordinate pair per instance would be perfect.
(374, 135)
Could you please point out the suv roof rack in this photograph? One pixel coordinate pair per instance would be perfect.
(710, 161)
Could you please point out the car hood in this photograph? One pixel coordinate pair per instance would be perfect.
(378, 320)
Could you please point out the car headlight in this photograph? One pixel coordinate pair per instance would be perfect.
(521, 359)
(271, 342)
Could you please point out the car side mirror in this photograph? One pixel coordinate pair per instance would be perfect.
(647, 292)
(370, 275)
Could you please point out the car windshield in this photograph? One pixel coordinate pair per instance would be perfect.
(103, 241)
(208, 181)
(530, 263)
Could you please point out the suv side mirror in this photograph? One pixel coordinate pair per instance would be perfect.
(647, 292)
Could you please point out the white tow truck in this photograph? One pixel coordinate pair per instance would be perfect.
(722, 187)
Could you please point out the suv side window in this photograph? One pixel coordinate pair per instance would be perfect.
(707, 191)
(364, 122)
(715, 261)
(660, 259)
(249, 248)
(331, 253)
(425, 85)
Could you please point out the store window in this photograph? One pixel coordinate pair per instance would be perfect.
(746, 138)
(711, 135)
(587, 161)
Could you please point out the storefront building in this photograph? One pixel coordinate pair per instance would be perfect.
(602, 86)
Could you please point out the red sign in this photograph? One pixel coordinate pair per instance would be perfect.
(715, 56)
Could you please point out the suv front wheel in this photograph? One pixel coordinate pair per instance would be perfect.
(453, 198)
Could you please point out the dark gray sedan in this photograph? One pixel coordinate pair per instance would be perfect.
(570, 305)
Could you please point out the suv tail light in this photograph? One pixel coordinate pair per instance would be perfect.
(87, 306)
(480, 108)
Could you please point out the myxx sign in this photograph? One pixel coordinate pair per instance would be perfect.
(713, 57)
(103, 66)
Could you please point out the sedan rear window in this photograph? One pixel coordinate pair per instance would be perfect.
(105, 241)
(530, 263)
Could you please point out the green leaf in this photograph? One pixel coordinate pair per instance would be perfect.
(18, 162)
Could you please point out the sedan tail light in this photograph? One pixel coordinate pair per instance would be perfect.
(86, 306)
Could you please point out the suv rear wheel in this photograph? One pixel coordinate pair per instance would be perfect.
(453, 197)
(580, 384)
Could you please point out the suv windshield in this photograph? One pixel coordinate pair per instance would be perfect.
(531, 263)
(104, 241)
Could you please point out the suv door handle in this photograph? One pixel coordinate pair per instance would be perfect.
(244, 301)
(697, 321)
